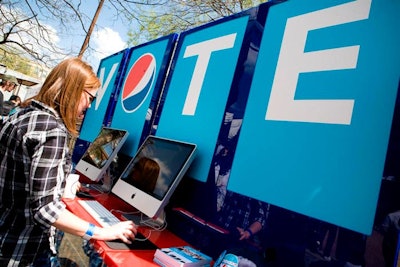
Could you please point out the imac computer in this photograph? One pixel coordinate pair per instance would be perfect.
(101, 152)
(152, 175)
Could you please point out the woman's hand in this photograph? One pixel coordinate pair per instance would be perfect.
(125, 231)
(244, 234)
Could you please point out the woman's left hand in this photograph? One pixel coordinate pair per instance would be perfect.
(243, 233)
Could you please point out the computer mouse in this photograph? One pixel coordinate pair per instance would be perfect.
(83, 194)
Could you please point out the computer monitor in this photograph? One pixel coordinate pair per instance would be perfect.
(152, 175)
(101, 152)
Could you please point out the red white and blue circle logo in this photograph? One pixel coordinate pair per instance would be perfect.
(138, 82)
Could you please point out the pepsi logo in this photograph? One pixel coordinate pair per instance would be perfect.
(138, 82)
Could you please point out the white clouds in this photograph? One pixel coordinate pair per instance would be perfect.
(37, 36)
(56, 40)
(105, 42)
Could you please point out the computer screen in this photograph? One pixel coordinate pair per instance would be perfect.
(101, 153)
(152, 175)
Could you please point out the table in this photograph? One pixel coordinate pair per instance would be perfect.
(116, 258)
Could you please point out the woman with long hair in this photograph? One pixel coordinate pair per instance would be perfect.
(34, 163)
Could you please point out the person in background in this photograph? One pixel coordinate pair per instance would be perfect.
(12, 105)
(245, 218)
(34, 163)
(390, 229)
(8, 84)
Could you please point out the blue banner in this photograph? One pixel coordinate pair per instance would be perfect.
(316, 126)
(198, 89)
(141, 89)
(95, 116)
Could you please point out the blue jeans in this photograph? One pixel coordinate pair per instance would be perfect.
(94, 258)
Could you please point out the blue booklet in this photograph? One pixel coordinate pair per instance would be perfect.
(183, 256)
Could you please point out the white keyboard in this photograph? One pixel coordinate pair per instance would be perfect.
(102, 215)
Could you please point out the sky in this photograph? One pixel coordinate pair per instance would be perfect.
(109, 36)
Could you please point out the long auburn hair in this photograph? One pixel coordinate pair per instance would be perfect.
(62, 90)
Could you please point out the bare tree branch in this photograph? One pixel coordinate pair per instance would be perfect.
(32, 28)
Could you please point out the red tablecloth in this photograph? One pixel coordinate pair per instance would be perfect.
(117, 257)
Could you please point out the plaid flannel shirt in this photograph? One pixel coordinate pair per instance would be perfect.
(34, 160)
